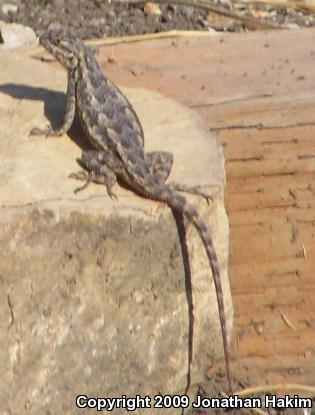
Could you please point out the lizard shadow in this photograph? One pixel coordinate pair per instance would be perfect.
(54, 108)
(179, 220)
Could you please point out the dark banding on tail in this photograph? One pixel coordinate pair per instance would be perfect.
(204, 234)
(180, 204)
(148, 187)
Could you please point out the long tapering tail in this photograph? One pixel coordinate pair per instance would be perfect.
(204, 234)
(179, 203)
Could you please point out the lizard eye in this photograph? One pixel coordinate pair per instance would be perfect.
(57, 39)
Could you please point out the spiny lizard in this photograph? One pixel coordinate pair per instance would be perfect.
(115, 133)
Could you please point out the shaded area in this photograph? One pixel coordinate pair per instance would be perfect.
(179, 219)
(54, 108)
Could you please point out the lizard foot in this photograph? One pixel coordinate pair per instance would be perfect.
(47, 132)
(111, 194)
(40, 131)
(194, 190)
(90, 177)
(82, 175)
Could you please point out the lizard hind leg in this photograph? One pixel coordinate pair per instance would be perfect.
(99, 167)
(160, 165)
(194, 190)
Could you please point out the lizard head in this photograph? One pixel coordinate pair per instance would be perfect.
(63, 44)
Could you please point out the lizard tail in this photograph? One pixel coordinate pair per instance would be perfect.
(179, 203)
(204, 234)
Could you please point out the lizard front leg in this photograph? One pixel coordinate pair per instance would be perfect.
(99, 167)
(69, 113)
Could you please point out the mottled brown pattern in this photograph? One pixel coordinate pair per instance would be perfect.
(114, 129)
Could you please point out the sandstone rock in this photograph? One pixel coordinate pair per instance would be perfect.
(93, 293)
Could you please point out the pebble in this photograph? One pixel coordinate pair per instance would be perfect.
(8, 8)
(16, 36)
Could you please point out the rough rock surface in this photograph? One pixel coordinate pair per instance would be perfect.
(16, 36)
(93, 292)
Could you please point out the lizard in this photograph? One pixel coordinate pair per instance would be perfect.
(115, 133)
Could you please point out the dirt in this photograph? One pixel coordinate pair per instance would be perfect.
(95, 18)
(99, 18)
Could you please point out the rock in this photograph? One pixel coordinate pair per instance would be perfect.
(16, 36)
(8, 8)
(93, 292)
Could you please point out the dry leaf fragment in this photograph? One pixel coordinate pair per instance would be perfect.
(287, 321)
